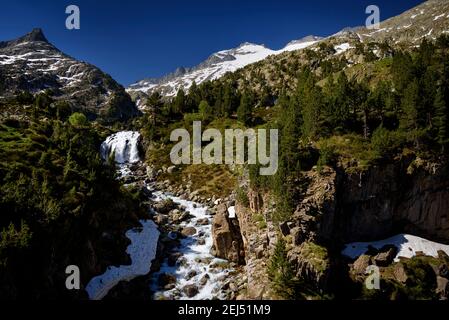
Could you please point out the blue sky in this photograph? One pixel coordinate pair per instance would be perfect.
(134, 39)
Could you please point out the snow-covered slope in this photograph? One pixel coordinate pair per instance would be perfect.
(406, 244)
(216, 66)
(142, 251)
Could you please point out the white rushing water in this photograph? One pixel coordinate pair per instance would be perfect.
(124, 144)
(406, 244)
(144, 241)
(197, 258)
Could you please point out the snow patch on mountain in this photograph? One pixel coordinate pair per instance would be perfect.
(341, 48)
(408, 246)
(216, 66)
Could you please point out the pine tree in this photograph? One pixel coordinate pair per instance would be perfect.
(410, 104)
(205, 111)
(309, 98)
(179, 103)
(339, 102)
(194, 97)
(402, 70)
(244, 111)
(440, 120)
(280, 271)
(229, 100)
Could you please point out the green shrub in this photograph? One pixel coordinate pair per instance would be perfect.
(327, 156)
(78, 120)
(242, 197)
(385, 142)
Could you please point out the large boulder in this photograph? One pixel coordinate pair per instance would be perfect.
(386, 256)
(190, 290)
(227, 240)
(188, 231)
(164, 206)
(360, 265)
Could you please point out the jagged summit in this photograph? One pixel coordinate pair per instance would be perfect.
(31, 63)
(36, 35)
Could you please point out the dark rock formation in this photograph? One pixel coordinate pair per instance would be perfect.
(227, 239)
(375, 204)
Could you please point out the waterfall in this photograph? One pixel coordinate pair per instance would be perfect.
(144, 240)
(200, 269)
(124, 144)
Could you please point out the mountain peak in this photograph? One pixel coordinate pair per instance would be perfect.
(246, 44)
(35, 35)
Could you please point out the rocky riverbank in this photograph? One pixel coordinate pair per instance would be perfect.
(189, 262)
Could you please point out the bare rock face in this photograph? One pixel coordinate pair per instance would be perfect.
(311, 263)
(227, 240)
(359, 266)
(315, 216)
(411, 196)
(408, 196)
(255, 201)
(399, 273)
(385, 257)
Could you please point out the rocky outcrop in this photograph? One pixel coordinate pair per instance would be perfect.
(227, 240)
(405, 196)
(339, 206)
(314, 217)
(311, 263)
(258, 243)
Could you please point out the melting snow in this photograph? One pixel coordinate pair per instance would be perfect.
(415, 15)
(142, 251)
(407, 246)
(231, 212)
(297, 46)
(342, 48)
(438, 17)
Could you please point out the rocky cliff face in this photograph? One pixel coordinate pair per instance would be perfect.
(410, 196)
(31, 63)
(258, 243)
(407, 196)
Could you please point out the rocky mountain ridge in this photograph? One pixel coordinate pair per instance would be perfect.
(428, 20)
(215, 67)
(31, 63)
